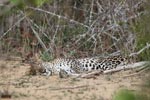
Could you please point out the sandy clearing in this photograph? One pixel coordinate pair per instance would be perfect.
(14, 78)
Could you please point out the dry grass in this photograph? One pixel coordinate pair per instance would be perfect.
(20, 85)
(73, 28)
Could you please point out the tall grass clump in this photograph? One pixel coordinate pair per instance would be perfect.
(142, 28)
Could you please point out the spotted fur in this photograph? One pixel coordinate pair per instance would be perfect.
(77, 66)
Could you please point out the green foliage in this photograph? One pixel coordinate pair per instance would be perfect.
(148, 83)
(142, 28)
(16, 2)
(37, 3)
(45, 56)
(23, 3)
(72, 52)
(124, 95)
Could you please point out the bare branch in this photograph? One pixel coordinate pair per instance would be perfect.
(12, 27)
(59, 16)
(91, 12)
(140, 51)
(37, 35)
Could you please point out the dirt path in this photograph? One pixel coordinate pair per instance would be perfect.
(21, 86)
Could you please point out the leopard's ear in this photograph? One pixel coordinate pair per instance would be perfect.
(35, 67)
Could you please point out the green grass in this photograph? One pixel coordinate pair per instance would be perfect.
(45, 56)
(124, 95)
(142, 29)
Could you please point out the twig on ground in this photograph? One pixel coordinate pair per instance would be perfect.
(137, 72)
(64, 88)
(90, 74)
(129, 66)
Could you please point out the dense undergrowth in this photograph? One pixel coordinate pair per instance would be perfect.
(77, 28)
(142, 29)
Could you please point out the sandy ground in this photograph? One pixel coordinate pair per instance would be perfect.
(21, 86)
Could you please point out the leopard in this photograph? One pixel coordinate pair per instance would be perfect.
(75, 67)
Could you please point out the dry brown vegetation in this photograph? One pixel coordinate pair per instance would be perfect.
(71, 29)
